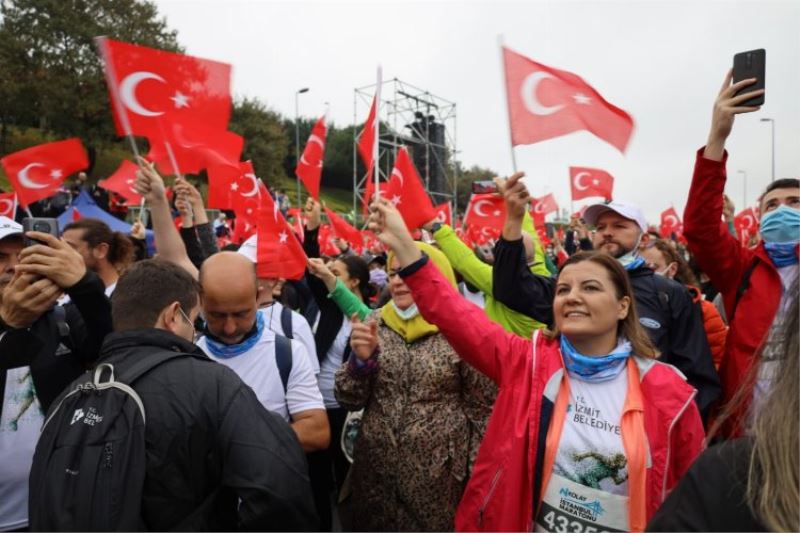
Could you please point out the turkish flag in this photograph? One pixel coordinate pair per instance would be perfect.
(544, 103)
(151, 87)
(485, 211)
(746, 224)
(670, 223)
(345, 231)
(230, 188)
(194, 147)
(325, 238)
(544, 206)
(589, 182)
(280, 254)
(247, 211)
(39, 171)
(121, 182)
(406, 192)
(366, 141)
(444, 213)
(297, 222)
(8, 204)
(309, 168)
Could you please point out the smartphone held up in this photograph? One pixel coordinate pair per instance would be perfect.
(751, 64)
(42, 225)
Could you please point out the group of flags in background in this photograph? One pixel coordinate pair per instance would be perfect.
(182, 104)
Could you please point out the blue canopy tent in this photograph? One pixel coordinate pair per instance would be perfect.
(88, 208)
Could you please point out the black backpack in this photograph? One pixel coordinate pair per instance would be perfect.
(89, 466)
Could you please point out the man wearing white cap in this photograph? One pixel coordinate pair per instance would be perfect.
(673, 322)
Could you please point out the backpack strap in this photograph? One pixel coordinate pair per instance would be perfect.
(147, 363)
(744, 284)
(283, 357)
(286, 322)
(347, 350)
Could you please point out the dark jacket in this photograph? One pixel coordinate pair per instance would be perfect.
(216, 459)
(55, 354)
(330, 316)
(665, 308)
(711, 496)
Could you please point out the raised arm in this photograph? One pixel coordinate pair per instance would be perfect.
(347, 302)
(463, 259)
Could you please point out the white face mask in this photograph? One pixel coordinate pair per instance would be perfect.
(406, 314)
(631, 256)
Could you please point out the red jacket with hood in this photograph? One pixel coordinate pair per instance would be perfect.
(505, 485)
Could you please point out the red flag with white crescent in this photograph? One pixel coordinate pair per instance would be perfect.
(544, 206)
(590, 182)
(230, 188)
(280, 254)
(122, 181)
(8, 204)
(746, 224)
(309, 168)
(485, 211)
(444, 213)
(345, 231)
(670, 223)
(406, 192)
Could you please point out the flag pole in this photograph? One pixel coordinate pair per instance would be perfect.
(377, 130)
(504, 77)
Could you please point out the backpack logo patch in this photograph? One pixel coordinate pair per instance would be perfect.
(77, 415)
(90, 418)
(650, 323)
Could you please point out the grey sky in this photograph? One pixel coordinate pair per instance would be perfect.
(663, 62)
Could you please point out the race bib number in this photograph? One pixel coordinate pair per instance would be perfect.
(569, 507)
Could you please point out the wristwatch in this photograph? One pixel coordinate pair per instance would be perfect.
(435, 227)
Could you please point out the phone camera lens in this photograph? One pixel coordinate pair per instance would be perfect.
(43, 227)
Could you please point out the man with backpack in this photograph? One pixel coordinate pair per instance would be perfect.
(159, 436)
(237, 334)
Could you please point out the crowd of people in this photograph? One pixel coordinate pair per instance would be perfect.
(647, 383)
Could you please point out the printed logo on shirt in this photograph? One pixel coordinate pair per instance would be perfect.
(585, 414)
(577, 505)
(650, 323)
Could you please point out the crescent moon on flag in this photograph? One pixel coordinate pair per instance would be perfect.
(578, 177)
(127, 92)
(477, 207)
(6, 205)
(528, 93)
(316, 139)
(671, 220)
(750, 221)
(26, 181)
(538, 207)
(252, 178)
(399, 175)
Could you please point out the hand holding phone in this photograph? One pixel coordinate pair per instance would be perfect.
(751, 64)
(42, 225)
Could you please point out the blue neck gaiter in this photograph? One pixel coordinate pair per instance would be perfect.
(595, 369)
(226, 351)
(782, 253)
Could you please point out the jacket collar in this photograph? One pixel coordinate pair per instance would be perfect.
(151, 337)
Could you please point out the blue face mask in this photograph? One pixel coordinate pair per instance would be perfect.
(781, 225)
(595, 369)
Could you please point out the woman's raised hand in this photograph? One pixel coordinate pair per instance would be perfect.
(388, 225)
(318, 268)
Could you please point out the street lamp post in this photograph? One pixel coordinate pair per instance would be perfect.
(297, 136)
(772, 123)
(744, 188)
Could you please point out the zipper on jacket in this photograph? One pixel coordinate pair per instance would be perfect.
(488, 497)
(669, 442)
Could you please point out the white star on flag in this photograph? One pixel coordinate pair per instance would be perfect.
(234, 186)
(56, 173)
(180, 99)
(595, 182)
(582, 99)
(282, 236)
(496, 213)
(396, 200)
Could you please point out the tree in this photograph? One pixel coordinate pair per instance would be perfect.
(52, 76)
(265, 139)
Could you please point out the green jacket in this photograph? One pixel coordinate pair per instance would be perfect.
(479, 274)
(348, 302)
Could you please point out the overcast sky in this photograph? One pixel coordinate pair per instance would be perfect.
(663, 62)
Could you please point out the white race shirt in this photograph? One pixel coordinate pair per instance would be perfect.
(589, 484)
(301, 331)
(259, 369)
(20, 424)
(332, 363)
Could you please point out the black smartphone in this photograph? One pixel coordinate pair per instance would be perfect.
(751, 64)
(42, 225)
(484, 187)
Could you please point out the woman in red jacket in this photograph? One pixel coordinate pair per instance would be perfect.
(589, 432)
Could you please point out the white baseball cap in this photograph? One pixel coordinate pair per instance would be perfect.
(9, 228)
(626, 210)
(249, 248)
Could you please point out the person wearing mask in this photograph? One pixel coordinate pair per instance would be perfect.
(107, 253)
(589, 429)
(664, 307)
(425, 412)
(754, 282)
(749, 483)
(665, 260)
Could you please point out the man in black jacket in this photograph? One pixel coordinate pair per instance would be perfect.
(43, 347)
(216, 459)
(666, 310)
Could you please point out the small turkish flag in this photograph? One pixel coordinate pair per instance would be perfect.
(670, 223)
(345, 231)
(309, 168)
(194, 147)
(444, 213)
(8, 205)
(38, 172)
(366, 142)
(544, 103)
(544, 206)
(326, 240)
(151, 87)
(230, 188)
(746, 224)
(589, 182)
(122, 181)
(297, 222)
(247, 211)
(280, 254)
(406, 192)
(485, 211)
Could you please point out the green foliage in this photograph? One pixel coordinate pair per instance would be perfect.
(465, 179)
(265, 138)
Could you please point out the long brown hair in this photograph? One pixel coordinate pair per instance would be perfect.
(629, 326)
(684, 274)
